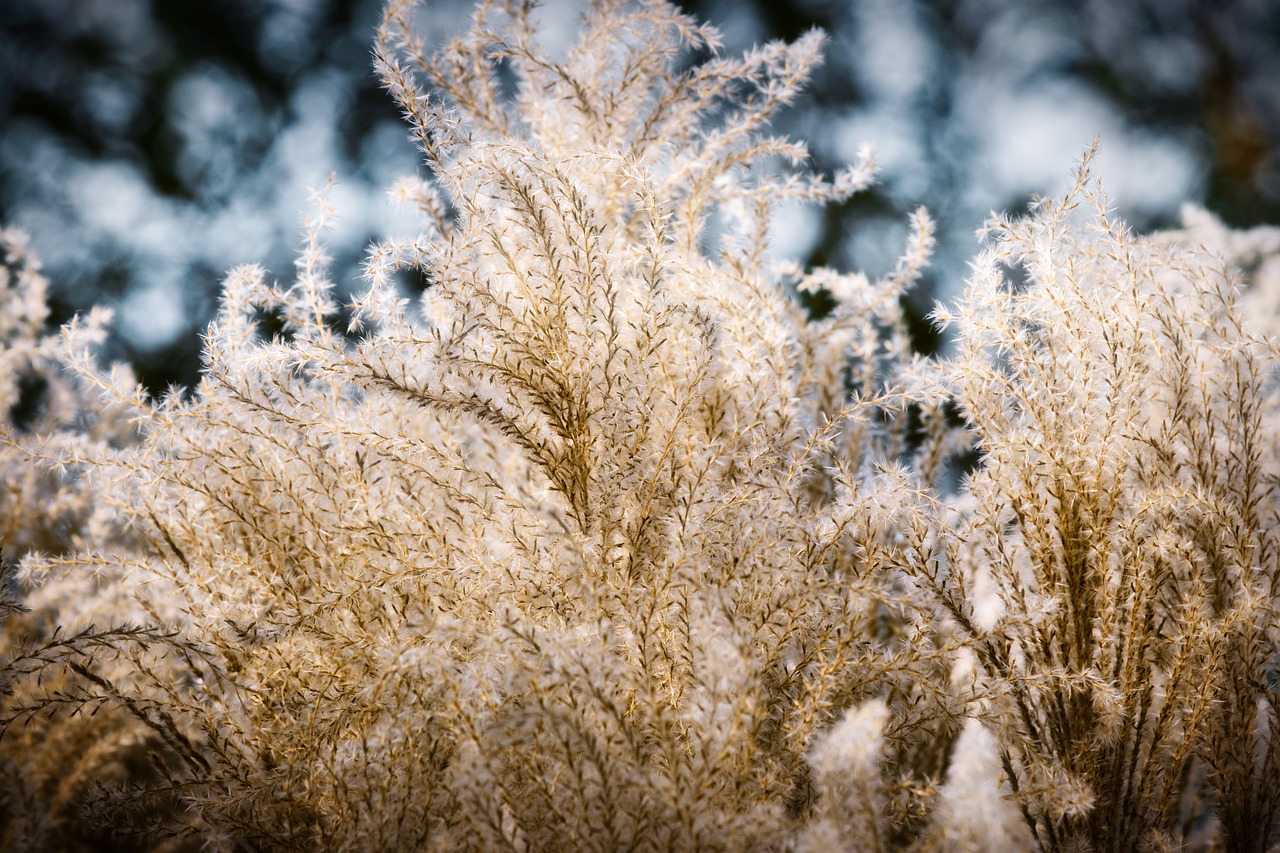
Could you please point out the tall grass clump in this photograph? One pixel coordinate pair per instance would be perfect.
(611, 541)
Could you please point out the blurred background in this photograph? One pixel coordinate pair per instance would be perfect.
(149, 145)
